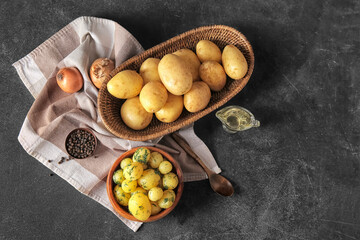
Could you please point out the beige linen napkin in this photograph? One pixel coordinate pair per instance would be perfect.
(55, 113)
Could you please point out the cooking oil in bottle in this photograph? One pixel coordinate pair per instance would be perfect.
(236, 118)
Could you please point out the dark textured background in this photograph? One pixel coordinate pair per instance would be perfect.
(296, 177)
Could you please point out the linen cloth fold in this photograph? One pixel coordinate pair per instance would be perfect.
(55, 113)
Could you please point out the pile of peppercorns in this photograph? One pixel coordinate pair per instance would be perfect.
(80, 143)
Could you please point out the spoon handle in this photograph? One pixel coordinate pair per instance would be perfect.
(182, 142)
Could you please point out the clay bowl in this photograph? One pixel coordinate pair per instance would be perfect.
(123, 211)
(85, 130)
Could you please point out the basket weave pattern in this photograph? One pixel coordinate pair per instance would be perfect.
(109, 106)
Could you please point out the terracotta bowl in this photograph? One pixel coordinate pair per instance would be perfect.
(123, 211)
(81, 129)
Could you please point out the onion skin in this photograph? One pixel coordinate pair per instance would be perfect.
(69, 79)
(100, 69)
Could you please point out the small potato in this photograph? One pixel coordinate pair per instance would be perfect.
(155, 208)
(174, 74)
(234, 62)
(165, 167)
(125, 84)
(134, 115)
(149, 70)
(133, 171)
(129, 185)
(155, 159)
(139, 190)
(149, 179)
(213, 74)
(167, 199)
(171, 110)
(198, 97)
(170, 181)
(121, 197)
(155, 193)
(118, 176)
(153, 96)
(140, 206)
(125, 162)
(142, 155)
(191, 60)
(207, 50)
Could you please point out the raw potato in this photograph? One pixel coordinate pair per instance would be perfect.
(165, 167)
(172, 109)
(134, 115)
(139, 206)
(149, 70)
(153, 96)
(191, 60)
(207, 50)
(213, 74)
(174, 74)
(170, 181)
(155, 159)
(125, 84)
(121, 197)
(234, 62)
(142, 155)
(167, 199)
(149, 179)
(133, 171)
(198, 97)
(155, 209)
(129, 185)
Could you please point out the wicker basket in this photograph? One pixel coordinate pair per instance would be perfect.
(109, 106)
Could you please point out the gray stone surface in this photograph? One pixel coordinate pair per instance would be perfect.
(296, 177)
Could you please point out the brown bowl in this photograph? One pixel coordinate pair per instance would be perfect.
(123, 211)
(109, 106)
(81, 129)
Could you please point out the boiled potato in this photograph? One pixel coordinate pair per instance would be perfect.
(121, 197)
(129, 185)
(134, 115)
(155, 208)
(125, 84)
(234, 62)
(139, 190)
(142, 155)
(191, 60)
(167, 199)
(170, 181)
(174, 74)
(125, 162)
(171, 110)
(207, 50)
(155, 193)
(153, 96)
(155, 159)
(118, 176)
(133, 171)
(149, 70)
(149, 179)
(165, 167)
(139, 206)
(213, 74)
(198, 97)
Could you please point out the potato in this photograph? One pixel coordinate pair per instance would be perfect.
(198, 97)
(155, 159)
(142, 155)
(153, 96)
(139, 190)
(191, 60)
(165, 167)
(155, 208)
(207, 50)
(213, 74)
(174, 74)
(155, 193)
(133, 171)
(125, 84)
(167, 199)
(234, 62)
(149, 179)
(129, 185)
(121, 197)
(134, 115)
(170, 180)
(118, 176)
(125, 162)
(139, 206)
(149, 70)
(171, 110)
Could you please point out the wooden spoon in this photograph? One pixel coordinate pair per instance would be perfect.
(218, 183)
